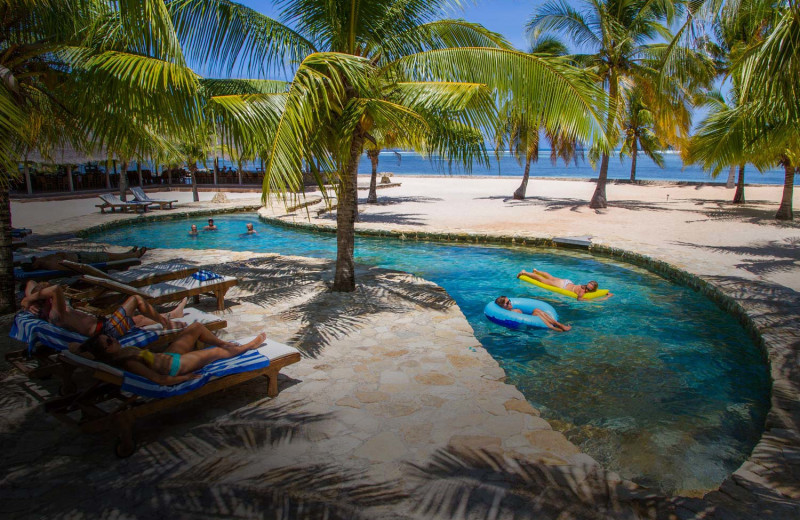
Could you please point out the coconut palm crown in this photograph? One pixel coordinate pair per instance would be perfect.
(363, 68)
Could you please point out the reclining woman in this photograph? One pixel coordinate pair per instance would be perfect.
(562, 283)
(176, 364)
(49, 303)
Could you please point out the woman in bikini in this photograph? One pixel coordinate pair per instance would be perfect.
(563, 283)
(176, 364)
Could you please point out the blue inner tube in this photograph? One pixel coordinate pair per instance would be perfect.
(515, 320)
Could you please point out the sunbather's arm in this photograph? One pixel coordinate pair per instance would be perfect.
(139, 368)
(54, 292)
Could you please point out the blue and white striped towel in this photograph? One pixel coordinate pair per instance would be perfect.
(250, 360)
(33, 330)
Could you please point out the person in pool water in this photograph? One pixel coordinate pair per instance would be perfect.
(176, 364)
(193, 231)
(548, 320)
(210, 226)
(562, 283)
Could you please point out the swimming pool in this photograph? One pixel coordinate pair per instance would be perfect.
(656, 383)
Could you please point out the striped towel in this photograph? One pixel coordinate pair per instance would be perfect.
(33, 330)
(250, 360)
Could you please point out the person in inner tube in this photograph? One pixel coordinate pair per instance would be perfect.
(548, 320)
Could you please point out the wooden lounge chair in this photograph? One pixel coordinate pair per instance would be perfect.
(112, 202)
(140, 195)
(118, 398)
(162, 292)
(45, 340)
(144, 275)
(49, 274)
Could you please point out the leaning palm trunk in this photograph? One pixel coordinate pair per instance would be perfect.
(519, 194)
(634, 155)
(27, 171)
(123, 181)
(347, 207)
(372, 198)
(139, 173)
(216, 171)
(738, 197)
(7, 300)
(785, 209)
(239, 170)
(599, 197)
(731, 177)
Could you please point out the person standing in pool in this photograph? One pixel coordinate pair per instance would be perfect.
(193, 231)
(562, 283)
(210, 226)
(548, 320)
(250, 230)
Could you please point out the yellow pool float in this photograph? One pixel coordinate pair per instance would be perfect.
(599, 293)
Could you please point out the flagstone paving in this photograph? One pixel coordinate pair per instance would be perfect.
(395, 411)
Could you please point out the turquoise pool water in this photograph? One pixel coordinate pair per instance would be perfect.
(656, 383)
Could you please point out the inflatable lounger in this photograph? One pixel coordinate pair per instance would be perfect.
(515, 320)
(599, 293)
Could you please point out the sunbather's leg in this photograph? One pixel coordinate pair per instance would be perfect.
(148, 315)
(550, 322)
(177, 312)
(541, 276)
(197, 359)
(195, 332)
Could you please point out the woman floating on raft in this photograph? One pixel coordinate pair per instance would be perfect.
(565, 286)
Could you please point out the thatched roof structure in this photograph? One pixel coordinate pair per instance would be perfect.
(67, 154)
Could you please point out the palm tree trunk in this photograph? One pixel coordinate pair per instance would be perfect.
(785, 209)
(193, 173)
(109, 162)
(70, 185)
(520, 193)
(169, 175)
(123, 180)
(599, 198)
(345, 278)
(731, 177)
(738, 197)
(216, 170)
(239, 168)
(8, 302)
(634, 155)
(372, 198)
(139, 173)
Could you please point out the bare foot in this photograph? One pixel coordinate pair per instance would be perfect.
(177, 312)
(256, 342)
(565, 328)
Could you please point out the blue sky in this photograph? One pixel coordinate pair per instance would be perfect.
(508, 17)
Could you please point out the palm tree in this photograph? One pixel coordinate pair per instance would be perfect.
(620, 32)
(85, 62)
(638, 132)
(523, 135)
(363, 67)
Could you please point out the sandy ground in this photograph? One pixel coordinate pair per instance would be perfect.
(693, 227)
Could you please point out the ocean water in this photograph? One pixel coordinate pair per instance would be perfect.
(412, 163)
(656, 383)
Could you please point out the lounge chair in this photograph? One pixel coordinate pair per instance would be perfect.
(144, 275)
(140, 195)
(162, 292)
(49, 274)
(111, 201)
(45, 339)
(132, 396)
(20, 232)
